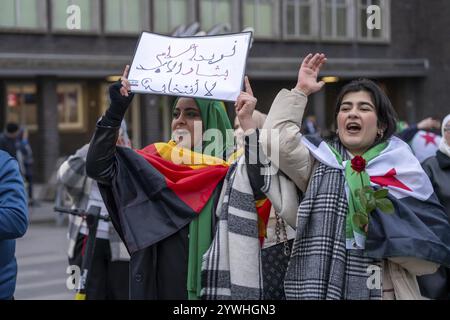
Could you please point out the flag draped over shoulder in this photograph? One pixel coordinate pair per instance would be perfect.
(191, 176)
(419, 227)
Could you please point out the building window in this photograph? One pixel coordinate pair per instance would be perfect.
(22, 105)
(88, 18)
(70, 106)
(300, 18)
(262, 16)
(169, 14)
(23, 14)
(364, 33)
(126, 16)
(337, 19)
(213, 12)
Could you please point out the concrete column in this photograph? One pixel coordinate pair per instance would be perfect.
(151, 126)
(48, 134)
(319, 107)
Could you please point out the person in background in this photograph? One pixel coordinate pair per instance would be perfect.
(25, 159)
(421, 138)
(310, 126)
(13, 221)
(15, 141)
(110, 265)
(437, 285)
(8, 139)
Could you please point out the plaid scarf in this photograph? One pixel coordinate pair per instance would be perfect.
(232, 265)
(320, 266)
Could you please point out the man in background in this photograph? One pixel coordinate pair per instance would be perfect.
(13, 221)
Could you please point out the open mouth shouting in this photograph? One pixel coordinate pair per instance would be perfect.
(353, 127)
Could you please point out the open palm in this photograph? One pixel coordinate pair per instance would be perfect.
(308, 73)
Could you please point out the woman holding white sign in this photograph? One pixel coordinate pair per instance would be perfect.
(162, 198)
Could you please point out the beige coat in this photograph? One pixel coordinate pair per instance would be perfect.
(297, 163)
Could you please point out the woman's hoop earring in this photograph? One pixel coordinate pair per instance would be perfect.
(380, 134)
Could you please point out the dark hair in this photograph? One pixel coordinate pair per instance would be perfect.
(12, 127)
(387, 117)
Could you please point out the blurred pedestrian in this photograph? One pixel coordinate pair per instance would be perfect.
(310, 126)
(401, 125)
(422, 138)
(437, 286)
(9, 139)
(15, 141)
(25, 159)
(13, 221)
(108, 276)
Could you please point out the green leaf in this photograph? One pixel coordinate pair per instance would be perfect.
(380, 194)
(372, 205)
(368, 189)
(360, 219)
(363, 199)
(386, 206)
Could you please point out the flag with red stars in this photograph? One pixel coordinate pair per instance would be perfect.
(424, 144)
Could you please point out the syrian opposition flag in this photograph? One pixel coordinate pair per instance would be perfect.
(178, 184)
(419, 226)
(425, 144)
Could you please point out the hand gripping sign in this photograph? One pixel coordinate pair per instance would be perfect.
(210, 67)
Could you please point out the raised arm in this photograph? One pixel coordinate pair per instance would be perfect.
(101, 157)
(285, 118)
(427, 124)
(245, 106)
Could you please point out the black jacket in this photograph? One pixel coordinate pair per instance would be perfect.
(9, 145)
(438, 169)
(158, 270)
(437, 285)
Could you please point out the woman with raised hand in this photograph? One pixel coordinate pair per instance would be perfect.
(369, 221)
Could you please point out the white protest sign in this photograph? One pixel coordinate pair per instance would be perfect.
(209, 67)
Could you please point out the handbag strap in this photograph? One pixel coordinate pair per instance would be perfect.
(281, 226)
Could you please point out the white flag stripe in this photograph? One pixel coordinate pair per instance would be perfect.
(425, 144)
(409, 172)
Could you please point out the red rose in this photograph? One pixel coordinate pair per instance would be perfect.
(358, 164)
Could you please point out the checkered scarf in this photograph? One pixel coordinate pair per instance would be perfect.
(320, 266)
(231, 268)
